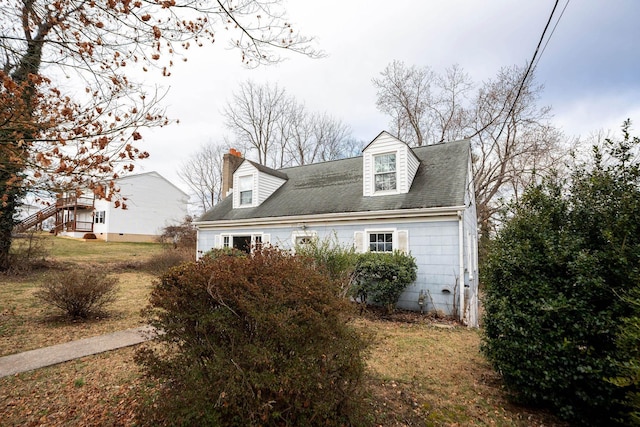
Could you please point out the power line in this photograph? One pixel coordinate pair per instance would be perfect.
(552, 31)
(533, 60)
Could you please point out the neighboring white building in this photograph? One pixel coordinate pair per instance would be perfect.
(393, 197)
(152, 203)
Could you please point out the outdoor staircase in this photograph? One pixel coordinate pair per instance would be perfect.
(49, 211)
(36, 218)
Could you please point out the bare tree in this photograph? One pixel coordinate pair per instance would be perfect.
(512, 139)
(202, 172)
(331, 137)
(404, 93)
(82, 133)
(279, 129)
(255, 115)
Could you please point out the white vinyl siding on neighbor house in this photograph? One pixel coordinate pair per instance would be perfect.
(385, 147)
(152, 204)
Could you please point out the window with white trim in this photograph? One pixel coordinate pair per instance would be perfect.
(243, 242)
(300, 238)
(303, 240)
(384, 167)
(99, 217)
(245, 190)
(381, 242)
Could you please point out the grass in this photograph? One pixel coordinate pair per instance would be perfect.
(419, 372)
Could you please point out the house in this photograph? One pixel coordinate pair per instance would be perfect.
(151, 201)
(393, 197)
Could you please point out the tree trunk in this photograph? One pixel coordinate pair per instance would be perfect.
(8, 208)
(11, 188)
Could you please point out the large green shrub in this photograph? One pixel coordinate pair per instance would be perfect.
(252, 340)
(380, 278)
(629, 369)
(557, 279)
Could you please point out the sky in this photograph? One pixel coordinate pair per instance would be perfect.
(590, 68)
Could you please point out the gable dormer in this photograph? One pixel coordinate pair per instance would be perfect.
(389, 166)
(254, 183)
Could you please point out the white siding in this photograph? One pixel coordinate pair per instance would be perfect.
(245, 169)
(264, 185)
(152, 204)
(267, 185)
(412, 167)
(406, 163)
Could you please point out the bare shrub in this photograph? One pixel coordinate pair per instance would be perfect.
(28, 252)
(179, 247)
(78, 292)
(168, 258)
(182, 235)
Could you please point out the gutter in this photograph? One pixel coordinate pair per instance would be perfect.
(333, 217)
(461, 263)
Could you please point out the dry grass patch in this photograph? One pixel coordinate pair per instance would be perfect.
(419, 373)
(101, 252)
(426, 373)
(98, 390)
(26, 324)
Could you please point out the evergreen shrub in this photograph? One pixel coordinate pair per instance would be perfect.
(260, 339)
(380, 278)
(561, 277)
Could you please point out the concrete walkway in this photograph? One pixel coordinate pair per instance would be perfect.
(47, 356)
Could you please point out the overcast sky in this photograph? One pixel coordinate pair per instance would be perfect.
(590, 68)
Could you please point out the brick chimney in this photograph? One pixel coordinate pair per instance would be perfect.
(230, 163)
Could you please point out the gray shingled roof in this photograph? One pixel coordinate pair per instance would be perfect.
(336, 187)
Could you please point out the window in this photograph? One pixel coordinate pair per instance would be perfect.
(303, 240)
(245, 184)
(381, 242)
(242, 242)
(99, 217)
(385, 172)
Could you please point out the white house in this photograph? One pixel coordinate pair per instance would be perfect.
(151, 201)
(393, 197)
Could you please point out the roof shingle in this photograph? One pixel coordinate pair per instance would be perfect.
(336, 187)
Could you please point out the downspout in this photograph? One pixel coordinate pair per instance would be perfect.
(461, 261)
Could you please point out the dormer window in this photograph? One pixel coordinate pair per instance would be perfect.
(385, 172)
(246, 190)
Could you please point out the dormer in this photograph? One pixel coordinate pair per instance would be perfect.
(254, 183)
(389, 166)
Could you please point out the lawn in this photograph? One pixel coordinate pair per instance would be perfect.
(420, 371)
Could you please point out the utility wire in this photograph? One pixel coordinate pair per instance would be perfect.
(530, 66)
(551, 34)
